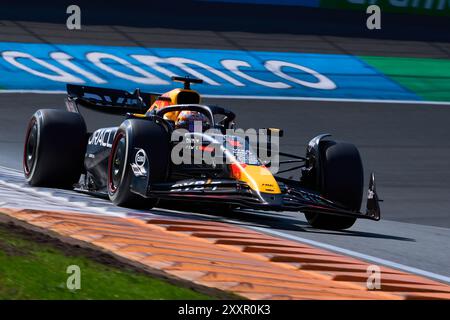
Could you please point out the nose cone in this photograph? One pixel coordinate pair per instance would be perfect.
(259, 178)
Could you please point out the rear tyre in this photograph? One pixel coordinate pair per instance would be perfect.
(55, 143)
(136, 134)
(341, 180)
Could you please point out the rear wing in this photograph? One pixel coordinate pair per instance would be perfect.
(107, 100)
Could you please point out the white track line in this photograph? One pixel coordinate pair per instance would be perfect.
(418, 102)
(285, 98)
(11, 169)
(56, 199)
(34, 91)
(46, 194)
(49, 196)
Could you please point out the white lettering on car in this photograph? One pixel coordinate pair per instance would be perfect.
(102, 137)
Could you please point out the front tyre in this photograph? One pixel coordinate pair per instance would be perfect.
(132, 135)
(341, 180)
(55, 143)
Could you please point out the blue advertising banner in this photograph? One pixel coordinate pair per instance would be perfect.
(49, 67)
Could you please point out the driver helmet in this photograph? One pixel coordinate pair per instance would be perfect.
(187, 120)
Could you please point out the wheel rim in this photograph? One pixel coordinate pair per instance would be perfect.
(117, 162)
(29, 154)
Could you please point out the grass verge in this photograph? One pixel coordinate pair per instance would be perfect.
(32, 266)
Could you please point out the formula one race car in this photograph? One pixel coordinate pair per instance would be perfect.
(133, 164)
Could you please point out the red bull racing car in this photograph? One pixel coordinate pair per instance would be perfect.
(137, 164)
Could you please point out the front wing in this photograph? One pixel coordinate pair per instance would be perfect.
(292, 198)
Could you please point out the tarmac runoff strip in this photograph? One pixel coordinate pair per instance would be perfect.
(225, 257)
(76, 216)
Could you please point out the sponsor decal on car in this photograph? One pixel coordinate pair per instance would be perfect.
(138, 166)
(197, 185)
(102, 137)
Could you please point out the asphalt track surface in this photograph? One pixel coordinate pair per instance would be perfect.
(406, 145)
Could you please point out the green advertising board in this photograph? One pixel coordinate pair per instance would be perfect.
(428, 7)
